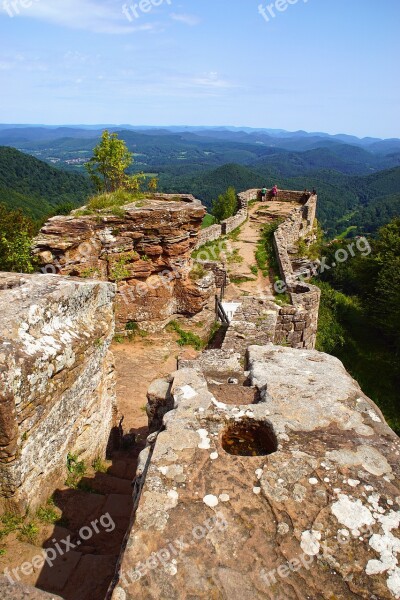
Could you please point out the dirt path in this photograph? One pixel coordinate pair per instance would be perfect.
(259, 286)
(137, 365)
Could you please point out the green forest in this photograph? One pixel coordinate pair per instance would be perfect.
(359, 319)
(37, 188)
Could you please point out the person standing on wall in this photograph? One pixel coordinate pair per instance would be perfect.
(263, 194)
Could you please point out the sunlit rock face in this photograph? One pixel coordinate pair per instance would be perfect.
(146, 250)
(56, 381)
(274, 479)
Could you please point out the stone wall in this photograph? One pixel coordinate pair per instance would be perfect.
(212, 233)
(297, 324)
(298, 225)
(234, 222)
(209, 234)
(56, 381)
(254, 322)
(146, 250)
(218, 268)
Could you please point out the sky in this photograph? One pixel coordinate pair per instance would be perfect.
(316, 65)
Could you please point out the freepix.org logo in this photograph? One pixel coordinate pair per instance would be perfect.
(134, 11)
(270, 11)
(14, 7)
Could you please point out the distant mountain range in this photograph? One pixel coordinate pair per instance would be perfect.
(357, 179)
(291, 140)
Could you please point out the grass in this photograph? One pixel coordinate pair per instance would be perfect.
(28, 533)
(119, 272)
(210, 250)
(214, 332)
(347, 232)
(265, 253)
(47, 514)
(254, 269)
(112, 200)
(186, 338)
(208, 221)
(9, 523)
(239, 280)
(235, 257)
(234, 235)
(198, 272)
(90, 273)
(134, 330)
(99, 466)
(76, 470)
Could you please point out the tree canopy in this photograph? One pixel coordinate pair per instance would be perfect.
(109, 163)
(225, 206)
(16, 231)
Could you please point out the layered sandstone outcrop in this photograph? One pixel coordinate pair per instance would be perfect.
(146, 250)
(56, 381)
(293, 496)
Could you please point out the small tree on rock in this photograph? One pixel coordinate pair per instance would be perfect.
(107, 167)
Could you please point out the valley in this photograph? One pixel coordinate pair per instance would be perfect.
(358, 181)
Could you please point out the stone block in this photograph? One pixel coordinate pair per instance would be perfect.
(56, 381)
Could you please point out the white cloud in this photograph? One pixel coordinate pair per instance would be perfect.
(190, 20)
(211, 80)
(98, 17)
(20, 62)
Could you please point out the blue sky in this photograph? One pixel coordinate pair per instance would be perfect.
(319, 65)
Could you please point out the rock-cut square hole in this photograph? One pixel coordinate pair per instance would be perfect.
(249, 438)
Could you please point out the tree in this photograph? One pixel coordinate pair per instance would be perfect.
(153, 184)
(16, 232)
(107, 167)
(225, 206)
(386, 258)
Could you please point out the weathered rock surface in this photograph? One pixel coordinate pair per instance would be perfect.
(18, 591)
(146, 251)
(57, 380)
(294, 497)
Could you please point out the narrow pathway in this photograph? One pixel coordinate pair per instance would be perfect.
(258, 286)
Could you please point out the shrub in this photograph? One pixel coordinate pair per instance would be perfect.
(254, 269)
(198, 272)
(76, 470)
(99, 466)
(47, 514)
(186, 338)
(28, 533)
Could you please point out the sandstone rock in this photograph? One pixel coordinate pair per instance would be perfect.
(294, 497)
(147, 252)
(19, 591)
(57, 380)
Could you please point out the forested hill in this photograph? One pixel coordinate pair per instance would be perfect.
(362, 203)
(36, 187)
(348, 201)
(209, 184)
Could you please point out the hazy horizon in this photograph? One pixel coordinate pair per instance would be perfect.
(94, 126)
